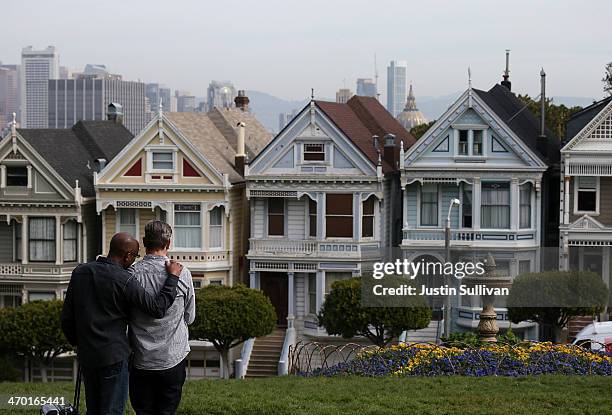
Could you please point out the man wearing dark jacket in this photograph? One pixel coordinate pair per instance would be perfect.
(95, 318)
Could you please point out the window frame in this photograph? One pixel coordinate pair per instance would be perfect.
(75, 240)
(420, 205)
(323, 152)
(220, 226)
(329, 216)
(368, 216)
(529, 204)
(276, 214)
(176, 246)
(463, 205)
(119, 224)
(52, 241)
(312, 218)
(482, 205)
(597, 196)
(27, 176)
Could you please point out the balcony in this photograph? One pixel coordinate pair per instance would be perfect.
(470, 238)
(305, 248)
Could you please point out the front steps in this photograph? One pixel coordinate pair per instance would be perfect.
(266, 354)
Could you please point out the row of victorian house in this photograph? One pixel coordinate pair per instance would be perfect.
(341, 186)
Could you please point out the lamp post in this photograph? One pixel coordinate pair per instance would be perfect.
(447, 258)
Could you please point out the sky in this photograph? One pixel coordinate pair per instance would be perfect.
(285, 48)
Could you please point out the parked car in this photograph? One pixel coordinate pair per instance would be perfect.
(596, 336)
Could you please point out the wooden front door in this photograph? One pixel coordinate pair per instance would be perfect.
(275, 286)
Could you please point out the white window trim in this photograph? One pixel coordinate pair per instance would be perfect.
(136, 218)
(597, 195)
(419, 225)
(374, 219)
(461, 189)
(509, 228)
(470, 143)
(161, 149)
(326, 153)
(285, 220)
(341, 238)
(203, 235)
(222, 247)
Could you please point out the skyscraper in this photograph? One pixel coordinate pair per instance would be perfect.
(343, 95)
(9, 93)
(87, 98)
(37, 67)
(220, 94)
(366, 87)
(185, 102)
(396, 86)
(156, 91)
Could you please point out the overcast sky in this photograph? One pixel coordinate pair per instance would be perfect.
(287, 47)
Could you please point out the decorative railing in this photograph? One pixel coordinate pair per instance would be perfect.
(330, 248)
(481, 235)
(209, 256)
(33, 270)
(10, 269)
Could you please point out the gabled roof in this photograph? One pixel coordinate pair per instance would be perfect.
(579, 120)
(520, 120)
(361, 118)
(214, 134)
(70, 150)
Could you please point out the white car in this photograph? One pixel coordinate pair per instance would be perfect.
(595, 336)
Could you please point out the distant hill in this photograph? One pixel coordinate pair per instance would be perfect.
(266, 108)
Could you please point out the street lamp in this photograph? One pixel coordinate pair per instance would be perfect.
(447, 258)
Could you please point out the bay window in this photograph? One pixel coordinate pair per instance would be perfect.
(216, 228)
(495, 205)
(312, 218)
(339, 215)
(525, 206)
(367, 218)
(586, 198)
(42, 239)
(70, 241)
(276, 216)
(429, 204)
(126, 221)
(187, 226)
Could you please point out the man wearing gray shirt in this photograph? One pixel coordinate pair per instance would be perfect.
(160, 346)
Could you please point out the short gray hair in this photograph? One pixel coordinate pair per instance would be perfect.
(157, 235)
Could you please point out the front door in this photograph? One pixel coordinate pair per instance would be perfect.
(275, 286)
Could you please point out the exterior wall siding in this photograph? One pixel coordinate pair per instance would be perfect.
(258, 217)
(605, 201)
(110, 217)
(296, 218)
(412, 205)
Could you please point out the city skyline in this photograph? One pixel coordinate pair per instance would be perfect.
(316, 55)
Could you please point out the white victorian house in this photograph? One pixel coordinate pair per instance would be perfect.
(586, 202)
(487, 151)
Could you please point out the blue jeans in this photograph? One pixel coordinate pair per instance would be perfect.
(106, 388)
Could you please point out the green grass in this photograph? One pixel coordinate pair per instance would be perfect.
(352, 395)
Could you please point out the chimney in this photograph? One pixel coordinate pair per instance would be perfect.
(389, 150)
(242, 101)
(506, 82)
(542, 143)
(115, 112)
(100, 164)
(240, 157)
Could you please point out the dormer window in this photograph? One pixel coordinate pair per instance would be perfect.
(314, 152)
(162, 161)
(477, 143)
(470, 142)
(16, 176)
(463, 142)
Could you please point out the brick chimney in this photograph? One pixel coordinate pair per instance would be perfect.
(242, 101)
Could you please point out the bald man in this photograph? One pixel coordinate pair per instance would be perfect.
(95, 318)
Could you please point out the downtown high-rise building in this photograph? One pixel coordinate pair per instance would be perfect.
(366, 87)
(343, 95)
(157, 92)
(396, 87)
(37, 67)
(9, 93)
(87, 98)
(220, 94)
(185, 102)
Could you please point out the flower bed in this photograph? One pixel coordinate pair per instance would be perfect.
(488, 360)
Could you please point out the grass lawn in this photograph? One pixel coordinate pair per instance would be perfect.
(353, 395)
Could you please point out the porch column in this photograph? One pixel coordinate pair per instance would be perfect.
(2, 176)
(290, 299)
(29, 176)
(357, 216)
(58, 241)
(405, 208)
(539, 226)
(566, 199)
(320, 289)
(24, 239)
(79, 236)
(254, 280)
(320, 215)
(514, 204)
(84, 243)
(476, 191)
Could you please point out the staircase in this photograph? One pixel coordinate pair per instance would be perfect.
(576, 324)
(426, 335)
(266, 354)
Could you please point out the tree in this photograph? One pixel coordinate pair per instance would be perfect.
(607, 79)
(34, 331)
(551, 298)
(556, 115)
(421, 129)
(344, 314)
(228, 316)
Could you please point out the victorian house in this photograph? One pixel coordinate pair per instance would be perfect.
(586, 177)
(187, 170)
(321, 199)
(48, 221)
(490, 154)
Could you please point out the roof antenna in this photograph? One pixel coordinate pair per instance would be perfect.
(506, 82)
(311, 93)
(376, 78)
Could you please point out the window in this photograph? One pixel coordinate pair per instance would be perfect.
(495, 206)
(70, 241)
(312, 293)
(312, 218)
(367, 218)
(525, 206)
(41, 296)
(339, 215)
(163, 161)
(502, 268)
(16, 176)
(17, 241)
(187, 226)
(276, 216)
(586, 194)
(524, 266)
(314, 152)
(216, 228)
(42, 239)
(215, 282)
(466, 205)
(127, 221)
(477, 143)
(429, 204)
(463, 142)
